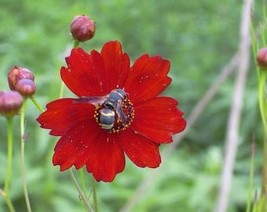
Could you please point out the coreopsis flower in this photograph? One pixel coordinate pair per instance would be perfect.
(117, 112)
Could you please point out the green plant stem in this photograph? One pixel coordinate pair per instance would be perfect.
(9, 163)
(251, 178)
(61, 92)
(36, 103)
(82, 179)
(82, 196)
(76, 43)
(261, 97)
(262, 106)
(22, 151)
(264, 177)
(94, 194)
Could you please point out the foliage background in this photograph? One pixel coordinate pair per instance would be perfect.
(199, 38)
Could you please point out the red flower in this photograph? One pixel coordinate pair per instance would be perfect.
(117, 112)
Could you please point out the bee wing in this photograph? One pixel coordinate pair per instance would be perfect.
(94, 100)
(121, 114)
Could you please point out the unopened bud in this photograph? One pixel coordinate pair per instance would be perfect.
(17, 73)
(10, 103)
(82, 28)
(26, 87)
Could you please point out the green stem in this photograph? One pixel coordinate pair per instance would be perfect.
(76, 43)
(82, 180)
(94, 194)
(262, 106)
(82, 196)
(61, 92)
(9, 163)
(36, 103)
(261, 96)
(251, 178)
(22, 151)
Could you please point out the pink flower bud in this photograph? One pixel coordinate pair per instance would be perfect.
(262, 58)
(17, 73)
(82, 28)
(26, 87)
(10, 103)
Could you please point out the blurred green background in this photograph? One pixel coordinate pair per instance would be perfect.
(199, 38)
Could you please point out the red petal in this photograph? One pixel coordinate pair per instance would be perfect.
(106, 158)
(141, 151)
(89, 145)
(61, 114)
(74, 143)
(158, 119)
(147, 78)
(80, 75)
(98, 73)
(117, 64)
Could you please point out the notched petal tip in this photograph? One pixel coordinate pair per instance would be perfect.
(147, 72)
(159, 119)
(140, 150)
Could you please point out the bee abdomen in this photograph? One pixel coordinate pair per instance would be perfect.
(106, 118)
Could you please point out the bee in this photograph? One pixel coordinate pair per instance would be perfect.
(106, 118)
(113, 102)
(110, 107)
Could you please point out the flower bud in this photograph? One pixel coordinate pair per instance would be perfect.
(82, 28)
(17, 73)
(10, 103)
(262, 58)
(25, 87)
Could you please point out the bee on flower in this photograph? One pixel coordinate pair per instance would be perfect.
(118, 112)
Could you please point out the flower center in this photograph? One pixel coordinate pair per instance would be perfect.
(115, 113)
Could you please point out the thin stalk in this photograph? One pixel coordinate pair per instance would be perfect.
(264, 23)
(82, 179)
(22, 151)
(36, 103)
(82, 196)
(262, 106)
(76, 43)
(261, 97)
(61, 92)
(94, 194)
(251, 178)
(9, 163)
(264, 174)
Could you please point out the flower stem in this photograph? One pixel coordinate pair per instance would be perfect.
(261, 96)
(36, 103)
(251, 179)
(23, 168)
(9, 163)
(76, 43)
(262, 106)
(82, 196)
(94, 194)
(61, 92)
(82, 180)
